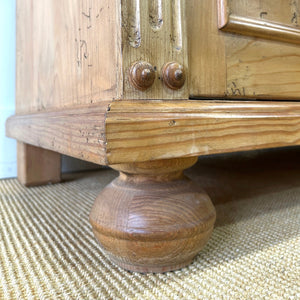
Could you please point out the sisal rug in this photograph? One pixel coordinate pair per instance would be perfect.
(48, 251)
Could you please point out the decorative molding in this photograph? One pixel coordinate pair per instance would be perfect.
(132, 22)
(177, 24)
(155, 14)
(254, 27)
(153, 31)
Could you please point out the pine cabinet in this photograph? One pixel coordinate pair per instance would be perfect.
(146, 87)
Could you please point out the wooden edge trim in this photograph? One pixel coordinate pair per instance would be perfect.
(139, 131)
(78, 132)
(223, 13)
(254, 27)
(203, 106)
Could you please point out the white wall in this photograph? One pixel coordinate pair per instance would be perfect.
(8, 166)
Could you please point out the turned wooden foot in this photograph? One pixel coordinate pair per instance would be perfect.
(152, 218)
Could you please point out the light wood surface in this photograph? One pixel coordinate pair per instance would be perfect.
(136, 131)
(277, 11)
(75, 132)
(154, 31)
(75, 53)
(152, 218)
(67, 53)
(37, 166)
(275, 20)
(257, 70)
(157, 130)
(206, 46)
(229, 65)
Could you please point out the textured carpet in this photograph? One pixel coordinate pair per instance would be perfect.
(48, 251)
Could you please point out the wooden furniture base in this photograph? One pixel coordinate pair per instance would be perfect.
(37, 166)
(112, 82)
(145, 141)
(152, 218)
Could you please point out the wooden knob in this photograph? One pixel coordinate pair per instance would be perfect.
(142, 75)
(173, 75)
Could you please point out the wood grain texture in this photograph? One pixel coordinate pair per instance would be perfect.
(262, 29)
(256, 69)
(141, 131)
(158, 44)
(79, 53)
(68, 53)
(149, 220)
(229, 65)
(277, 11)
(206, 46)
(37, 166)
(275, 20)
(137, 131)
(77, 132)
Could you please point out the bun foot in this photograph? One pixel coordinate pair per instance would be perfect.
(152, 218)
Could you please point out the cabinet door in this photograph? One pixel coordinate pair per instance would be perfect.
(244, 48)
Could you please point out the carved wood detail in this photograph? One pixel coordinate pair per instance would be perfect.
(152, 218)
(229, 21)
(155, 14)
(153, 31)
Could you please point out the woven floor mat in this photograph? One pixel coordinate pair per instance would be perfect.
(48, 251)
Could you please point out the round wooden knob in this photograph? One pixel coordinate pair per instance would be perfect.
(173, 75)
(142, 75)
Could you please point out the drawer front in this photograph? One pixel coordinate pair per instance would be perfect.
(244, 48)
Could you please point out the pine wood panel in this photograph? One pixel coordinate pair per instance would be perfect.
(67, 53)
(73, 53)
(253, 67)
(77, 132)
(207, 64)
(278, 11)
(259, 69)
(79, 52)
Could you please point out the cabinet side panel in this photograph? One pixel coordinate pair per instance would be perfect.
(68, 53)
(24, 56)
